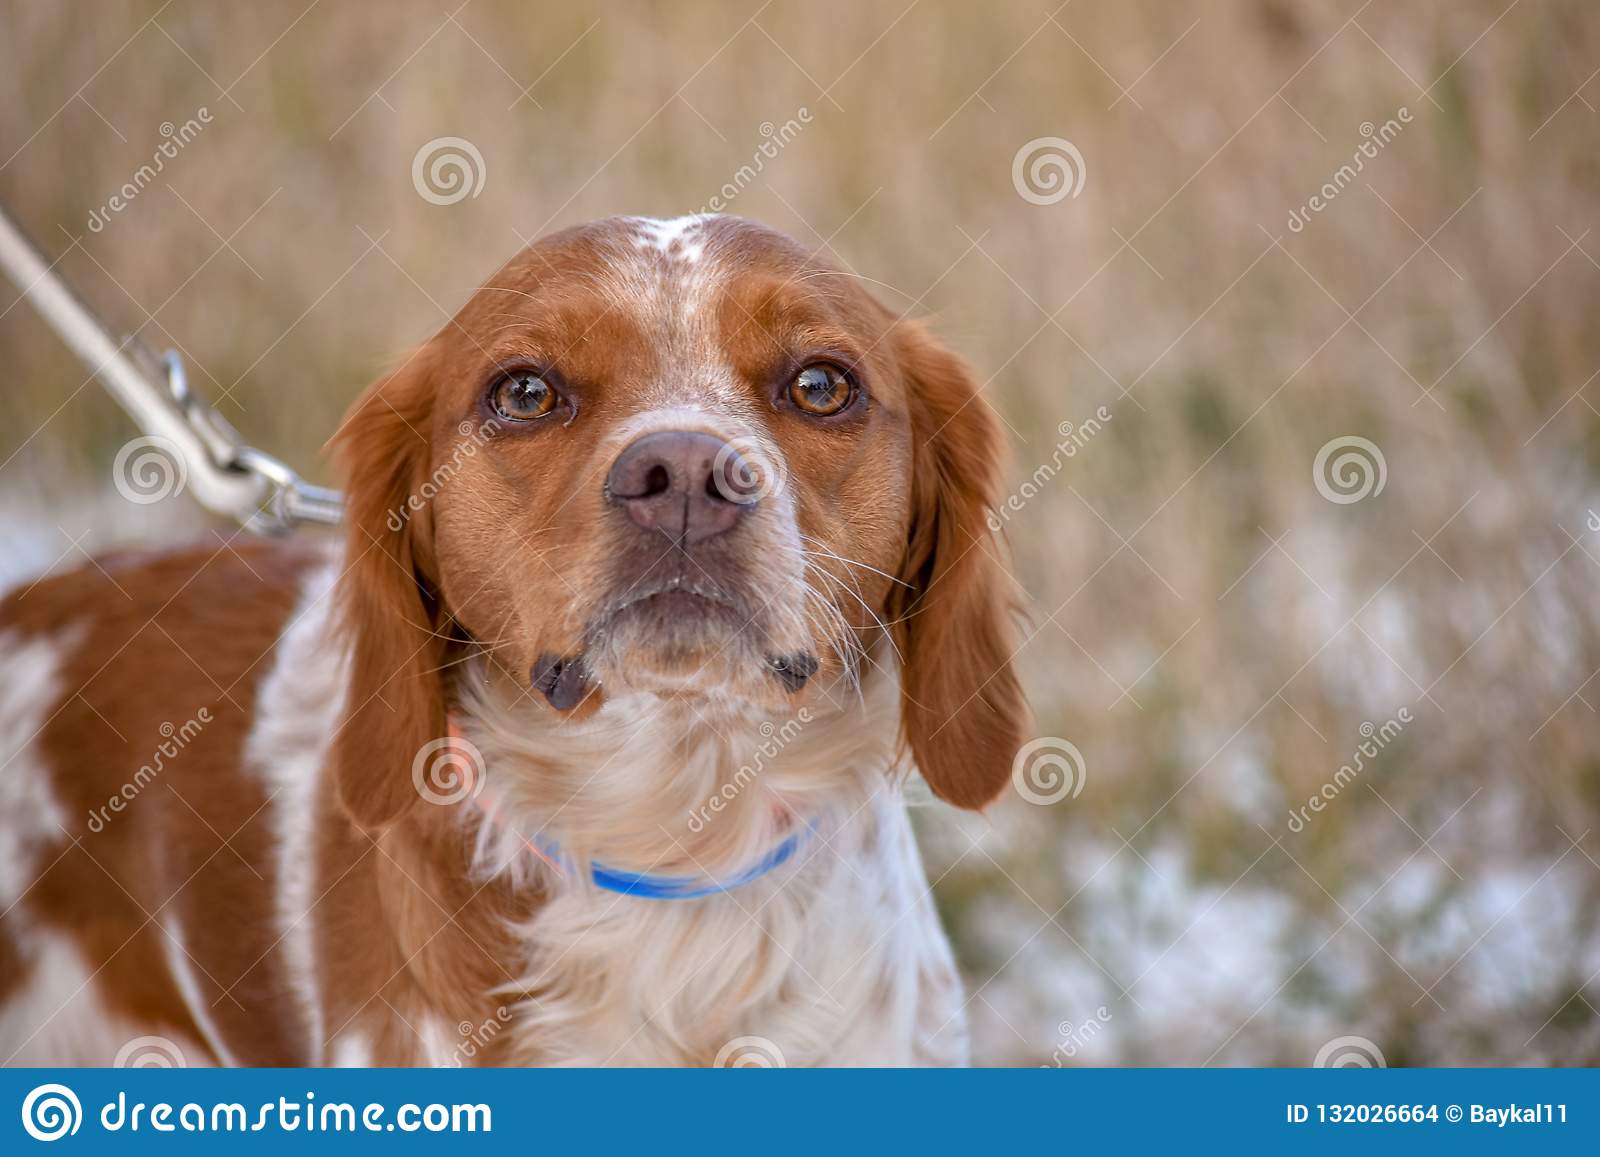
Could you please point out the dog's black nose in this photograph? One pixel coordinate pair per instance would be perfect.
(686, 485)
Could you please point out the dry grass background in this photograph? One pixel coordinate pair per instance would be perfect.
(1208, 630)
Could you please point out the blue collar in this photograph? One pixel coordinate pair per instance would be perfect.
(645, 886)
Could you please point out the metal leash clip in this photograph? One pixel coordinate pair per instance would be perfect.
(226, 475)
(288, 499)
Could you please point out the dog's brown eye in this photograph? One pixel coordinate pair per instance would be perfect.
(522, 397)
(820, 390)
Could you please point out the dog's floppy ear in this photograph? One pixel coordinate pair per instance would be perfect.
(962, 710)
(388, 613)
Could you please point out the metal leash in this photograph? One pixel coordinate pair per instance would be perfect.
(226, 475)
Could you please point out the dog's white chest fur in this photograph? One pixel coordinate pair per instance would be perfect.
(835, 957)
(840, 961)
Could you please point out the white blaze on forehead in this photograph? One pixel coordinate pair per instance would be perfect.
(672, 237)
(669, 281)
(721, 412)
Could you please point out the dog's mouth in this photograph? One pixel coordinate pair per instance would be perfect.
(674, 596)
(675, 636)
(673, 632)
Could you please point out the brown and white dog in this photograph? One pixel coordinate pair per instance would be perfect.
(665, 560)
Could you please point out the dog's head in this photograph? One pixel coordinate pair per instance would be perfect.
(686, 459)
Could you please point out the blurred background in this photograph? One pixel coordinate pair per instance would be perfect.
(1290, 309)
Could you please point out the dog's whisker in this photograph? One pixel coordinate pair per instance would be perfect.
(850, 561)
(834, 580)
(841, 634)
(836, 635)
